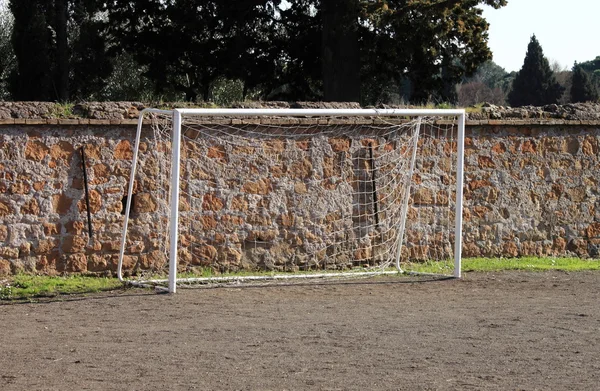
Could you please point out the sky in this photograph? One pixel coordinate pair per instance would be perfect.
(567, 30)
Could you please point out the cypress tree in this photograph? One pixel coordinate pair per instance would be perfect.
(32, 41)
(583, 88)
(535, 83)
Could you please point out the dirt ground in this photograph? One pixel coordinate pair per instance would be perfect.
(501, 331)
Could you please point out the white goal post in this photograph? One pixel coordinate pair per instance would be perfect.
(292, 193)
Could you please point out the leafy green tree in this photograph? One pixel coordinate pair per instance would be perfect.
(535, 84)
(583, 88)
(425, 45)
(190, 44)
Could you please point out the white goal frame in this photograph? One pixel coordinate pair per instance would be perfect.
(177, 115)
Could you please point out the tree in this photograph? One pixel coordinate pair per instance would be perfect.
(7, 55)
(31, 40)
(340, 50)
(535, 83)
(188, 45)
(60, 49)
(428, 45)
(582, 88)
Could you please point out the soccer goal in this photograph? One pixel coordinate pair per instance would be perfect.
(220, 195)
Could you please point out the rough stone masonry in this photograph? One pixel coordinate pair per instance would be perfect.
(531, 188)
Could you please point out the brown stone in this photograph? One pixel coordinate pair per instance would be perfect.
(303, 144)
(510, 249)
(31, 207)
(274, 146)
(37, 186)
(50, 229)
(3, 233)
(470, 250)
(4, 268)
(20, 188)
(101, 174)
(154, 260)
(61, 203)
(144, 203)
(212, 202)
(423, 196)
(300, 188)
(528, 147)
(239, 203)
(477, 184)
(577, 194)
(9, 252)
(203, 255)
(217, 152)
(262, 186)
(208, 222)
(589, 146)
(499, 148)
(5, 209)
(288, 220)
(339, 144)
(48, 263)
(485, 162)
(92, 151)
(95, 202)
(45, 246)
(111, 245)
(559, 245)
(480, 211)
(300, 169)
(74, 244)
(593, 230)
(77, 263)
(579, 247)
(239, 149)
(123, 150)
(62, 151)
(97, 263)
(230, 256)
(230, 222)
(36, 150)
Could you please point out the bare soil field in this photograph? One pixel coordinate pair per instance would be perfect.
(500, 331)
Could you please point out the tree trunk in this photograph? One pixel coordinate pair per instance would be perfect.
(340, 52)
(62, 51)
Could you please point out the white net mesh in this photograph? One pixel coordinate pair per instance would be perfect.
(292, 195)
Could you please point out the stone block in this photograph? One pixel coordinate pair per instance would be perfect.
(5, 268)
(76, 263)
(123, 150)
(144, 203)
(36, 150)
(203, 255)
(212, 202)
(74, 244)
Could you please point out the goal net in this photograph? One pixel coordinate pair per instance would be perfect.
(250, 194)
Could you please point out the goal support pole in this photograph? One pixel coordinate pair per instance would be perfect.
(174, 204)
(460, 168)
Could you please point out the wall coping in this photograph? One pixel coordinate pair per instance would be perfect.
(283, 121)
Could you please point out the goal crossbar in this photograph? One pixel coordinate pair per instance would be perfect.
(176, 135)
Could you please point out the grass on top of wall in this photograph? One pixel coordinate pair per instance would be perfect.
(30, 287)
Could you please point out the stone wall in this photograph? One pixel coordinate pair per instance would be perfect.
(531, 188)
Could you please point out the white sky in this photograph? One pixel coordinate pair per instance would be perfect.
(568, 31)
